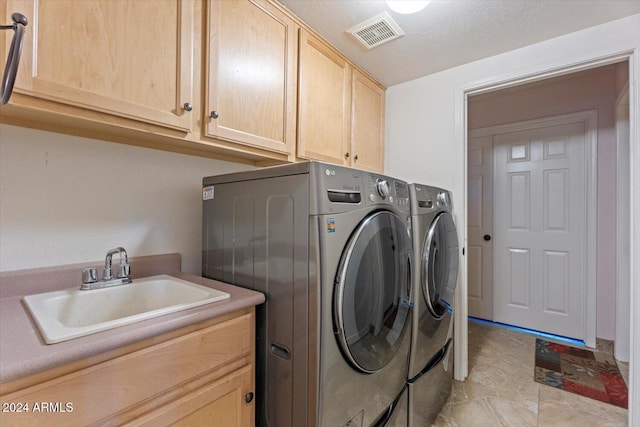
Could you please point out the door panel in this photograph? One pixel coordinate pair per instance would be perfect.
(480, 224)
(540, 229)
(556, 282)
(518, 196)
(556, 206)
(519, 268)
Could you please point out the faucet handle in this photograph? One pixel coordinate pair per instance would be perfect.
(89, 275)
(124, 271)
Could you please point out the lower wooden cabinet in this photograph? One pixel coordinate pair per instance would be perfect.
(224, 403)
(204, 377)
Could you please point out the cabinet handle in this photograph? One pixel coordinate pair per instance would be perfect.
(13, 58)
(248, 397)
(486, 237)
(214, 115)
(187, 106)
(355, 157)
(346, 155)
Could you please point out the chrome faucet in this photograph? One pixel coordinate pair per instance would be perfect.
(90, 275)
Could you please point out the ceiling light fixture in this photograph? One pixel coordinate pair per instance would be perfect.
(407, 6)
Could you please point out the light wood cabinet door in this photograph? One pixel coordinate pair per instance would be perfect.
(228, 402)
(325, 102)
(252, 74)
(367, 123)
(128, 58)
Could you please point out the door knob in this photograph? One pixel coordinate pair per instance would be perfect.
(214, 115)
(187, 106)
(487, 237)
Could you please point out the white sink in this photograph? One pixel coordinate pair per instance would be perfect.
(73, 313)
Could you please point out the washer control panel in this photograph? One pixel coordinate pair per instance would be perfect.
(386, 190)
(342, 188)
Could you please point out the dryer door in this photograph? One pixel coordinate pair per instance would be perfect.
(372, 292)
(440, 264)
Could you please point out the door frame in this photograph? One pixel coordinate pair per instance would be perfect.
(568, 62)
(622, 227)
(590, 120)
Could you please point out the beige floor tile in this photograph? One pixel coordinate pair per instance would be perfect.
(477, 413)
(559, 408)
(512, 412)
(500, 390)
(489, 379)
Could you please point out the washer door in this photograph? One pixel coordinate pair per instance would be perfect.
(372, 292)
(440, 264)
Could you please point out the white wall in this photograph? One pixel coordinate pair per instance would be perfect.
(588, 90)
(65, 199)
(422, 121)
(425, 140)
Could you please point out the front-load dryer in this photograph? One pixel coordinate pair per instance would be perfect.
(435, 249)
(330, 247)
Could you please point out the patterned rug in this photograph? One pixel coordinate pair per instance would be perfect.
(580, 371)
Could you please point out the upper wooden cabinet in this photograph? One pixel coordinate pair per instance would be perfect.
(132, 59)
(367, 123)
(324, 108)
(340, 109)
(240, 80)
(251, 75)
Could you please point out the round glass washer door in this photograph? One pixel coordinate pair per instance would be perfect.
(372, 292)
(440, 264)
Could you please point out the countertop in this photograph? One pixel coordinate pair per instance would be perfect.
(23, 352)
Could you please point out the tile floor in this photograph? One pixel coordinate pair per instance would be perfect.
(500, 390)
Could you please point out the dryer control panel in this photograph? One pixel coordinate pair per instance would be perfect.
(425, 198)
(386, 191)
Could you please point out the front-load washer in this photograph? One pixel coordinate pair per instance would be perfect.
(435, 249)
(331, 249)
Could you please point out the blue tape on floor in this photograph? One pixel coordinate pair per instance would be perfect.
(572, 341)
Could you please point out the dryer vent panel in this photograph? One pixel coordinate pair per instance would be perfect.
(376, 31)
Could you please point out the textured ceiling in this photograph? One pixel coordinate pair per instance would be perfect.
(448, 33)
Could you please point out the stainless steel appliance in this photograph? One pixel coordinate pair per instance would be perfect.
(435, 248)
(330, 247)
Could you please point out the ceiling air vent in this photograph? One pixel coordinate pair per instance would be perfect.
(376, 31)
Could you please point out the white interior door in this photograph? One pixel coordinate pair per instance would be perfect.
(540, 229)
(480, 226)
